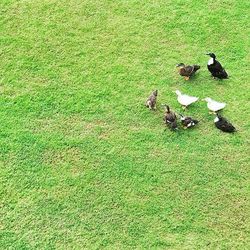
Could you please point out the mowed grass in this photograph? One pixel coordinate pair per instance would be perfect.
(83, 164)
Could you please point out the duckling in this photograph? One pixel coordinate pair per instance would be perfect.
(223, 124)
(170, 118)
(215, 67)
(185, 100)
(188, 121)
(151, 101)
(187, 71)
(213, 105)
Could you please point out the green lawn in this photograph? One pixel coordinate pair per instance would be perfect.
(83, 163)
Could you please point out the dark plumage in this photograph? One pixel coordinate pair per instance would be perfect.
(188, 121)
(223, 124)
(151, 101)
(170, 118)
(187, 71)
(215, 67)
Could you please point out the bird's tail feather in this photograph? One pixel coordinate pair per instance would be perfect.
(196, 67)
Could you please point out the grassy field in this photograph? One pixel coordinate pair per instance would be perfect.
(83, 164)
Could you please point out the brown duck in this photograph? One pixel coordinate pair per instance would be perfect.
(151, 101)
(187, 71)
(170, 118)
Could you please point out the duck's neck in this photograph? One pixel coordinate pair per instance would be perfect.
(178, 93)
(211, 61)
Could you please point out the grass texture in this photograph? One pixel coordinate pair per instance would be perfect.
(83, 163)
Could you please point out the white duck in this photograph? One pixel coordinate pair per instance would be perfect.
(185, 100)
(214, 105)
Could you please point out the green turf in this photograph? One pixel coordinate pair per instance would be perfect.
(84, 165)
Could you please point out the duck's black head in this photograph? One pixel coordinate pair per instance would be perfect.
(166, 107)
(155, 93)
(180, 65)
(211, 55)
(218, 116)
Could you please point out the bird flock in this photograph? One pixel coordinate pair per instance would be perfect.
(171, 118)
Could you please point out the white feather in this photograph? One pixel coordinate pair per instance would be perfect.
(185, 100)
(210, 61)
(214, 105)
(216, 119)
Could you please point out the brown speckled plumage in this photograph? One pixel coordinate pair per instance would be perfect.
(170, 118)
(187, 71)
(151, 101)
